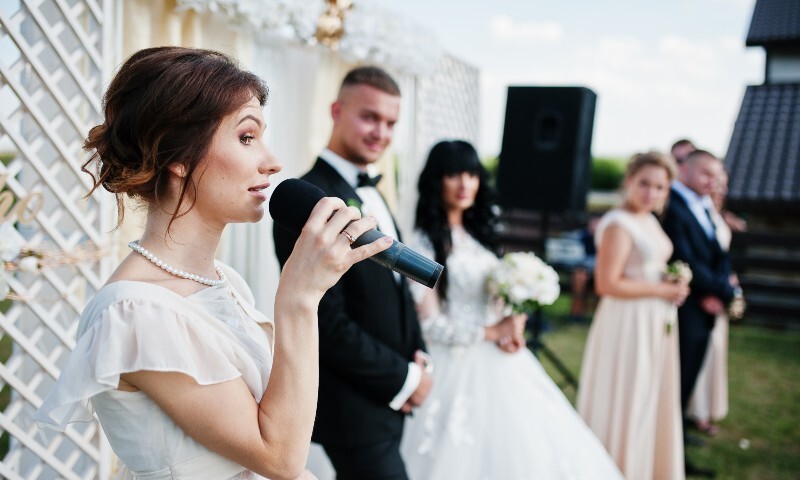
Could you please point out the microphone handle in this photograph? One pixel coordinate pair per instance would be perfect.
(402, 259)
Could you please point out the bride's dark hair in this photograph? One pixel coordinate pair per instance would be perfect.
(447, 158)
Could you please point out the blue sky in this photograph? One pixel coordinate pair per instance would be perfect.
(661, 69)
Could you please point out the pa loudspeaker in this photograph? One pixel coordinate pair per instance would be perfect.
(545, 160)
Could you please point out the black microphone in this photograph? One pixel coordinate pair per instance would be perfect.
(291, 204)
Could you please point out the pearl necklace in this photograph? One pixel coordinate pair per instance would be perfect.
(134, 245)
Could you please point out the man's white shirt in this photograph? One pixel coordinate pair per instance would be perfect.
(698, 205)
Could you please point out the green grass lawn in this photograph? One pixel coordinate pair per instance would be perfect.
(760, 438)
(764, 378)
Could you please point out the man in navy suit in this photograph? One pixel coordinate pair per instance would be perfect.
(688, 223)
(373, 369)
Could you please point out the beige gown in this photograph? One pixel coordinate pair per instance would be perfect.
(709, 400)
(629, 391)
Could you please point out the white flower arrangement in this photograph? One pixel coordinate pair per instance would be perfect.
(371, 34)
(17, 256)
(524, 282)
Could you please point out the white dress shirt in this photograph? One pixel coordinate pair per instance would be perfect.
(700, 205)
(373, 204)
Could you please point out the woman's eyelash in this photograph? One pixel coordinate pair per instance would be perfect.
(246, 138)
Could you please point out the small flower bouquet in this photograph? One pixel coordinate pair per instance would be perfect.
(677, 272)
(737, 307)
(523, 281)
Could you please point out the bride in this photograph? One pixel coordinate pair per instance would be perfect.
(493, 412)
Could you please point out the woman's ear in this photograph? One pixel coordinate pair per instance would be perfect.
(177, 169)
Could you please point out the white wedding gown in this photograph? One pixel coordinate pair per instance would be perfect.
(490, 415)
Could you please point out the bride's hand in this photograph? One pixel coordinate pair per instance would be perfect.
(508, 333)
(322, 253)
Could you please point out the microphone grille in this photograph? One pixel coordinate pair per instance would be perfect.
(292, 201)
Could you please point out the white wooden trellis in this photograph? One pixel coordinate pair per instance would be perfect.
(55, 56)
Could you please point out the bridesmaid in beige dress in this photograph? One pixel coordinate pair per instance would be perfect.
(709, 402)
(629, 391)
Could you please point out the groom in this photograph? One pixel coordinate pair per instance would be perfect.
(373, 369)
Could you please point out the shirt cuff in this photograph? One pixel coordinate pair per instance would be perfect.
(409, 387)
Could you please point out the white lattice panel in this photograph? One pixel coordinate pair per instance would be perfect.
(448, 104)
(53, 63)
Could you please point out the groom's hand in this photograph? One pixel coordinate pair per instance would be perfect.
(712, 305)
(426, 381)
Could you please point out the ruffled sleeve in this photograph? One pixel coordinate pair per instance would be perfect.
(436, 324)
(133, 326)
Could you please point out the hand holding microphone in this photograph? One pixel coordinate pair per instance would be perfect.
(294, 200)
(322, 253)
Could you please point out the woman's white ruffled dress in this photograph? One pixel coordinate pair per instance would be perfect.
(214, 336)
(490, 415)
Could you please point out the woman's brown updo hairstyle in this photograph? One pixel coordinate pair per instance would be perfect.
(162, 108)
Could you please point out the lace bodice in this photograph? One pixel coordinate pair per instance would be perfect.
(651, 246)
(460, 319)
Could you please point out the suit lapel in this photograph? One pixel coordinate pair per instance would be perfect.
(698, 229)
(337, 186)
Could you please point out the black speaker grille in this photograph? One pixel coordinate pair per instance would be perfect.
(545, 160)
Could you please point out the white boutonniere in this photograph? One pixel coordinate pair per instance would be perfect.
(354, 202)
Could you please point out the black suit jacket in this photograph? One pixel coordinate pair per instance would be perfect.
(710, 264)
(368, 333)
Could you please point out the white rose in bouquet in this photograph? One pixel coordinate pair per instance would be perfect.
(523, 281)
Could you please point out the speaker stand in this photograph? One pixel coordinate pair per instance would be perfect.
(537, 345)
(535, 321)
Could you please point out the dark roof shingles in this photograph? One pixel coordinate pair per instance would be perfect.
(775, 22)
(763, 158)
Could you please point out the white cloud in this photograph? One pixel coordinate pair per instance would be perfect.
(611, 52)
(731, 44)
(648, 93)
(504, 28)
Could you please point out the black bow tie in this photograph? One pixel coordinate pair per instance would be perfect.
(364, 180)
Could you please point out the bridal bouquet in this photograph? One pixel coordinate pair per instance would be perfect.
(523, 281)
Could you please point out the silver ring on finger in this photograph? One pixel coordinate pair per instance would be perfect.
(349, 237)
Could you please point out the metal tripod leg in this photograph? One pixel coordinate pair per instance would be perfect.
(536, 345)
